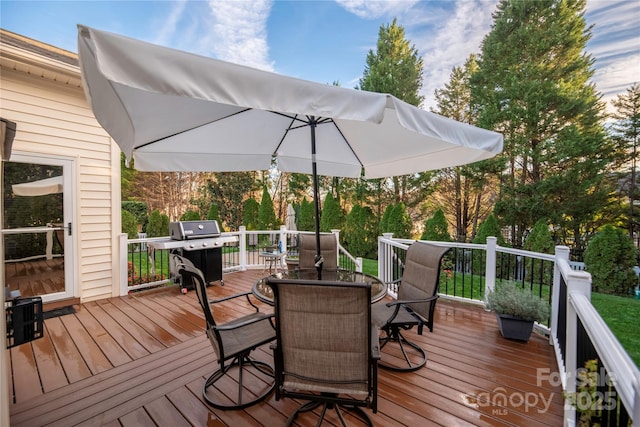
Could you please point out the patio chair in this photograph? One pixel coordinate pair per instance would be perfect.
(326, 350)
(328, 249)
(233, 343)
(417, 296)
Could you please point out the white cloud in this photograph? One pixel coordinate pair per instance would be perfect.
(372, 9)
(169, 25)
(615, 44)
(449, 44)
(238, 32)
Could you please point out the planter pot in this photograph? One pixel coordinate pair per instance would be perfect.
(292, 264)
(514, 328)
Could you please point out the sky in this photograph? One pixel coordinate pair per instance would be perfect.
(323, 41)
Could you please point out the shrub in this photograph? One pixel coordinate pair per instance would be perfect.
(214, 214)
(139, 210)
(539, 240)
(158, 224)
(508, 298)
(400, 223)
(190, 216)
(610, 257)
(129, 224)
(361, 232)
(306, 222)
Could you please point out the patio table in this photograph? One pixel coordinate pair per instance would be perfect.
(264, 293)
(271, 260)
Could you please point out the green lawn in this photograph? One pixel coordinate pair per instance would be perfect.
(622, 315)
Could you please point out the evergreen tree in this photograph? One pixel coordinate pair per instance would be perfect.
(626, 132)
(361, 232)
(250, 213)
(396, 67)
(266, 214)
(129, 224)
(228, 190)
(465, 192)
(610, 257)
(190, 216)
(488, 228)
(306, 220)
(213, 214)
(332, 215)
(436, 228)
(400, 223)
(158, 224)
(539, 240)
(384, 222)
(532, 85)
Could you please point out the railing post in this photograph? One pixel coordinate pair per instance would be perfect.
(562, 252)
(124, 263)
(359, 264)
(242, 248)
(337, 234)
(490, 270)
(577, 282)
(384, 263)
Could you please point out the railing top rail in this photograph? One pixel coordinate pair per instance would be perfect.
(529, 254)
(613, 356)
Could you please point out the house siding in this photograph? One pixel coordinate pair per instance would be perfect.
(54, 118)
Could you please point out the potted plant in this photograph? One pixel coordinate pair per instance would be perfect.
(292, 261)
(516, 310)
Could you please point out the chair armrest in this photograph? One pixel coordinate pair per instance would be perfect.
(215, 301)
(375, 342)
(239, 324)
(412, 301)
(230, 297)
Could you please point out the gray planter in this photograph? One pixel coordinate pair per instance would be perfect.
(514, 328)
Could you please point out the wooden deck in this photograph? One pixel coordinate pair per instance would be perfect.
(142, 359)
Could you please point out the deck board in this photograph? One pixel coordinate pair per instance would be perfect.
(142, 359)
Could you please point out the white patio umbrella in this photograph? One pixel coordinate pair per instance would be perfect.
(290, 220)
(176, 111)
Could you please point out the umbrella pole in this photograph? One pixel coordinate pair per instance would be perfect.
(314, 173)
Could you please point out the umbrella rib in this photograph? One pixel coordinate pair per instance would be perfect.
(346, 141)
(190, 129)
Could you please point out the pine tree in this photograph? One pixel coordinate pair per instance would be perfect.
(465, 192)
(332, 215)
(533, 86)
(214, 215)
(400, 223)
(266, 214)
(396, 67)
(436, 228)
(384, 222)
(626, 132)
(250, 213)
(361, 232)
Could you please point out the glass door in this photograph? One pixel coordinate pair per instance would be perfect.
(37, 227)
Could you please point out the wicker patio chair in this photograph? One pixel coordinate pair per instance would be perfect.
(233, 343)
(328, 250)
(417, 296)
(326, 350)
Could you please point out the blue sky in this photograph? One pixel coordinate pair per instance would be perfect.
(323, 41)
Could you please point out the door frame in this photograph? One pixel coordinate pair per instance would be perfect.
(68, 172)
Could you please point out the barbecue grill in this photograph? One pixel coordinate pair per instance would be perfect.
(201, 243)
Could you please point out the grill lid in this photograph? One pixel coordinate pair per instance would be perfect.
(186, 230)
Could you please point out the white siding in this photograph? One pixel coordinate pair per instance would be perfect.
(54, 118)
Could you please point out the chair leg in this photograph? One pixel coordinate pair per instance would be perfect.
(240, 363)
(394, 335)
(310, 406)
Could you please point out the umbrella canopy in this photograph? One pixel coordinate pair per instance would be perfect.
(41, 187)
(290, 220)
(176, 111)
